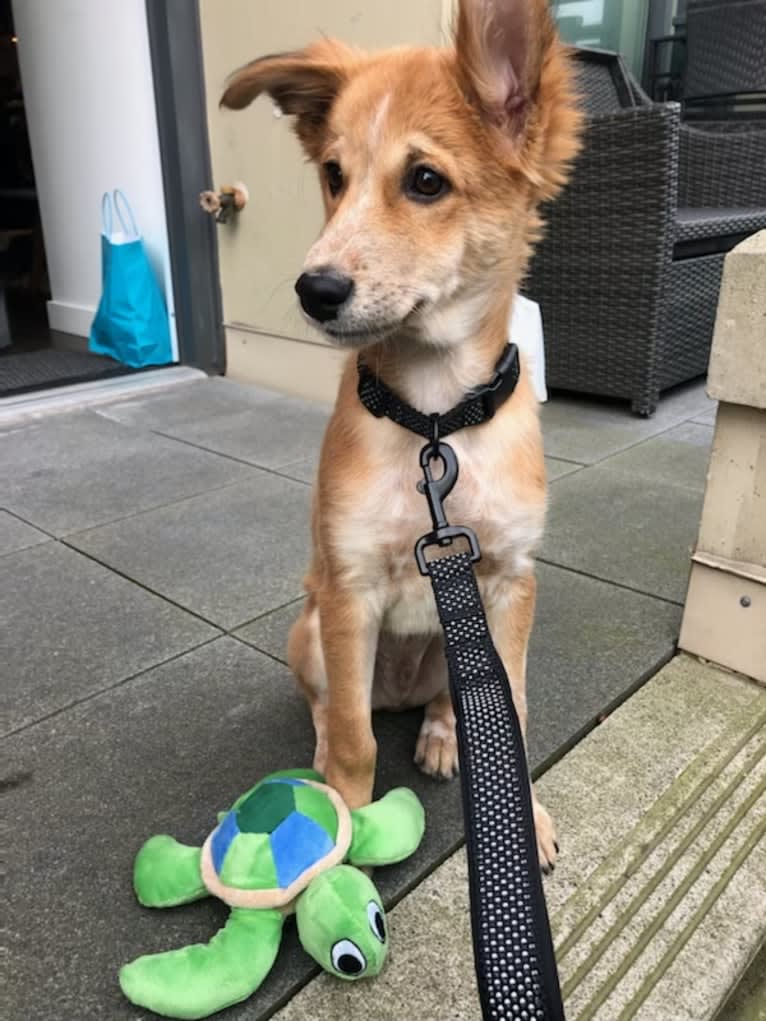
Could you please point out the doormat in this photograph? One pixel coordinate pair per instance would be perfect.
(35, 370)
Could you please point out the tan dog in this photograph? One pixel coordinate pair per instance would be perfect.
(432, 163)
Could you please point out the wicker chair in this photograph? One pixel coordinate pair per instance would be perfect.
(628, 273)
(726, 47)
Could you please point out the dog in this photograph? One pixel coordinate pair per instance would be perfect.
(432, 163)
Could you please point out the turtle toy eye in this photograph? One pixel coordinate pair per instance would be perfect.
(375, 918)
(348, 959)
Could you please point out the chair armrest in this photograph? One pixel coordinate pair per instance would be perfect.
(722, 169)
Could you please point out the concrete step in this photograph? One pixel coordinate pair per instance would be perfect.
(666, 925)
(658, 904)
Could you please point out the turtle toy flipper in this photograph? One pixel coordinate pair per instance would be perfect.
(200, 979)
(280, 848)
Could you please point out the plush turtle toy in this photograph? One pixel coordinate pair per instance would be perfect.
(280, 848)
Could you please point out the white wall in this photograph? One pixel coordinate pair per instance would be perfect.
(89, 98)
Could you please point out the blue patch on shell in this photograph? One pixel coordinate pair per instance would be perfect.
(298, 843)
(222, 840)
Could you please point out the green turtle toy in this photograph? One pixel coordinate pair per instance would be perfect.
(280, 848)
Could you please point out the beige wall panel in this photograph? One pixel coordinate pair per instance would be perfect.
(290, 366)
(262, 252)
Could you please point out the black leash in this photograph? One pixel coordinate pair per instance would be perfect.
(513, 948)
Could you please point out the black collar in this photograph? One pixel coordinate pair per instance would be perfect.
(478, 406)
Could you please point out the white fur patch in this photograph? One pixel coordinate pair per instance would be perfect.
(454, 320)
(378, 119)
(435, 728)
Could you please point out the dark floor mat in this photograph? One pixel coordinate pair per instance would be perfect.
(20, 373)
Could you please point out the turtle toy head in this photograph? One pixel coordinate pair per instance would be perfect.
(341, 923)
(289, 843)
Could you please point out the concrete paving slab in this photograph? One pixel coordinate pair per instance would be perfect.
(679, 456)
(16, 534)
(249, 423)
(212, 397)
(79, 470)
(603, 523)
(71, 628)
(556, 469)
(269, 435)
(588, 431)
(591, 645)
(228, 556)
(161, 753)
(622, 795)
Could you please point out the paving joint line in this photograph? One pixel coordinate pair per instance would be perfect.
(149, 510)
(110, 688)
(646, 439)
(609, 581)
(268, 613)
(144, 586)
(232, 457)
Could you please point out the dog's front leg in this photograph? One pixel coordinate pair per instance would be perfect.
(510, 618)
(349, 627)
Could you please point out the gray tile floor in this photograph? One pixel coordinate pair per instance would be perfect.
(150, 562)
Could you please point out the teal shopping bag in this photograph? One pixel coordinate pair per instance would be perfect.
(131, 323)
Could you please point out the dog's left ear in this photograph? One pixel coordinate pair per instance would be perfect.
(303, 83)
(501, 45)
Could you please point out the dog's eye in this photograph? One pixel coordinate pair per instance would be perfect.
(425, 184)
(334, 176)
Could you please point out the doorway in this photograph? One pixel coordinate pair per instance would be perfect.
(63, 142)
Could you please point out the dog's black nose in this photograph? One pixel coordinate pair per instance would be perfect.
(323, 292)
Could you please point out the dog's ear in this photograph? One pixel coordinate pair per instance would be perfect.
(500, 47)
(303, 84)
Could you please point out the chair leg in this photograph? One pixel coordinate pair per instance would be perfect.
(645, 405)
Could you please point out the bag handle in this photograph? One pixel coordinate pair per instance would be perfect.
(125, 213)
(106, 214)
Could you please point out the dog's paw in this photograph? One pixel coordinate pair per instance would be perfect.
(436, 750)
(547, 845)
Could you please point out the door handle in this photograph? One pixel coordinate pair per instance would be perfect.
(221, 204)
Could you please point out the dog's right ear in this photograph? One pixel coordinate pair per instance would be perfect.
(303, 84)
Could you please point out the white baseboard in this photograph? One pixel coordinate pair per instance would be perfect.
(69, 318)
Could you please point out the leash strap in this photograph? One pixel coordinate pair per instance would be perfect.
(513, 948)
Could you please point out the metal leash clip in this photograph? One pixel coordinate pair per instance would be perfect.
(436, 491)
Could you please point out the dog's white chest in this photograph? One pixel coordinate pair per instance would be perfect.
(379, 535)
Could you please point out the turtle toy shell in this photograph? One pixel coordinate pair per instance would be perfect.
(274, 841)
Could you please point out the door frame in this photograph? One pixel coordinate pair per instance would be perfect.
(175, 46)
